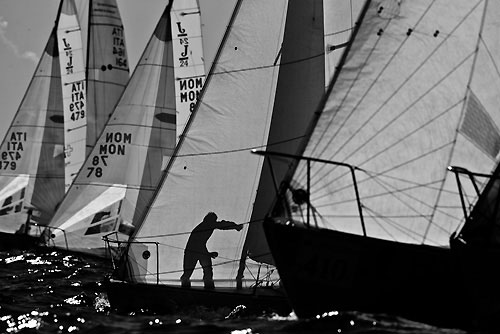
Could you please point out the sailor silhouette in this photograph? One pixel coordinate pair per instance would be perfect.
(196, 249)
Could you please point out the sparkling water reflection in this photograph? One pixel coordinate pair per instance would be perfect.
(58, 293)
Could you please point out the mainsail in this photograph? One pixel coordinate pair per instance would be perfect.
(418, 92)
(265, 83)
(117, 181)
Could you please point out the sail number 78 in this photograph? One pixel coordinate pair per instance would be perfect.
(96, 162)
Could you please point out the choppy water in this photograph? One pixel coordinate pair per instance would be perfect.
(56, 293)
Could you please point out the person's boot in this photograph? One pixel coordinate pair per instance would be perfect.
(185, 283)
(209, 284)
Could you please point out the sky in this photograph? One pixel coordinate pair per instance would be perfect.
(25, 26)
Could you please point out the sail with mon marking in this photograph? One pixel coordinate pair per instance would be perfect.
(266, 82)
(372, 204)
(40, 146)
(117, 181)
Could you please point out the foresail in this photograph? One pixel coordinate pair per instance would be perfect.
(188, 58)
(69, 37)
(416, 94)
(213, 169)
(32, 162)
(300, 86)
(107, 65)
(123, 169)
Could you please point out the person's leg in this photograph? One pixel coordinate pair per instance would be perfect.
(190, 260)
(208, 275)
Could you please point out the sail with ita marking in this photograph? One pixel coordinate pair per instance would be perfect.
(110, 194)
(32, 165)
(69, 38)
(40, 136)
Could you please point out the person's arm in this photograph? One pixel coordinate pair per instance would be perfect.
(228, 225)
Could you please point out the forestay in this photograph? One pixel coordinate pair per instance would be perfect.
(418, 92)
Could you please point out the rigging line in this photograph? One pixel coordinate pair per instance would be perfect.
(409, 205)
(341, 31)
(293, 62)
(402, 229)
(374, 196)
(402, 113)
(328, 125)
(490, 55)
(197, 268)
(387, 148)
(189, 232)
(228, 260)
(394, 167)
(403, 84)
(246, 149)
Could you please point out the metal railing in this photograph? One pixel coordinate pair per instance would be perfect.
(308, 162)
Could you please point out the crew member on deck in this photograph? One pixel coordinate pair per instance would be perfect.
(196, 249)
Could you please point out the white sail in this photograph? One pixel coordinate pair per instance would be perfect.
(124, 168)
(418, 92)
(271, 48)
(298, 94)
(37, 148)
(69, 37)
(32, 162)
(107, 65)
(339, 19)
(188, 58)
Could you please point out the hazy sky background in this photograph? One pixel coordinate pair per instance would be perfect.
(25, 26)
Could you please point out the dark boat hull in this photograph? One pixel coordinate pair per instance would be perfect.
(159, 298)
(11, 241)
(324, 270)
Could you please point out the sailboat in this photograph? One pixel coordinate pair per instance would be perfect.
(117, 181)
(369, 205)
(265, 83)
(44, 146)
